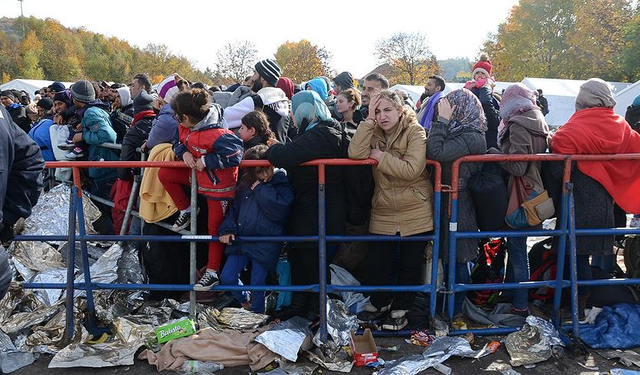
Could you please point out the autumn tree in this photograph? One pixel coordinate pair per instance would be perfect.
(409, 55)
(532, 41)
(572, 39)
(301, 61)
(597, 41)
(234, 61)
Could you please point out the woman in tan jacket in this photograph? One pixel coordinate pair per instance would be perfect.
(402, 200)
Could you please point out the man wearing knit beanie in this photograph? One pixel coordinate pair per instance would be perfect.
(267, 98)
(83, 91)
(267, 73)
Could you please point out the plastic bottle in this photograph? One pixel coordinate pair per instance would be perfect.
(199, 367)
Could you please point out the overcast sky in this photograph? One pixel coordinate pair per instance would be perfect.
(347, 29)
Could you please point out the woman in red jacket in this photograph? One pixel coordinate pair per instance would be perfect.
(203, 144)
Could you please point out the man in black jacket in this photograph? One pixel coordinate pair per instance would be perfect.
(17, 112)
(544, 103)
(21, 166)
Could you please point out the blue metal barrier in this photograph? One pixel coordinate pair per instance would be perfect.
(76, 210)
(565, 230)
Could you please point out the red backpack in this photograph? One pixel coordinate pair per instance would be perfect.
(488, 269)
(543, 260)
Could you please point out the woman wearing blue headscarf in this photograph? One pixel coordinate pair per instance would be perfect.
(318, 137)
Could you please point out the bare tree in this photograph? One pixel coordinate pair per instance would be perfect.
(235, 60)
(409, 55)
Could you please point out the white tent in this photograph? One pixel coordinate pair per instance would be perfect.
(29, 85)
(413, 91)
(561, 94)
(625, 97)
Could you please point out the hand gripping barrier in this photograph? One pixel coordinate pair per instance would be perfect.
(565, 230)
(76, 211)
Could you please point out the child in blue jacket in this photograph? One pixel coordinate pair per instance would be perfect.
(260, 208)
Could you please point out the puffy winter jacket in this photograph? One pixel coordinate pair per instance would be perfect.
(163, 128)
(403, 195)
(220, 149)
(96, 130)
(262, 211)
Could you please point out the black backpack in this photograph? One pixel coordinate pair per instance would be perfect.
(488, 269)
(490, 196)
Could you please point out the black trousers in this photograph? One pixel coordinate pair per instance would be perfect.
(383, 269)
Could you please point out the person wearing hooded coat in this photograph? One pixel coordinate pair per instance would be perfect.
(402, 200)
(318, 137)
(596, 129)
(523, 131)
(122, 115)
(457, 132)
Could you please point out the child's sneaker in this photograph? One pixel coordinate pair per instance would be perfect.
(184, 220)
(395, 324)
(67, 145)
(75, 153)
(207, 281)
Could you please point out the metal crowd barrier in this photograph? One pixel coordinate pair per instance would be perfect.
(565, 230)
(322, 288)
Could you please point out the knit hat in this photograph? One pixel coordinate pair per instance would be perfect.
(484, 65)
(125, 95)
(64, 97)
(636, 101)
(285, 84)
(45, 103)
(344, 80)
(269, 70)
(595, 93)
(142, 102)
(168, 88)
(57, 86)
(83, 91)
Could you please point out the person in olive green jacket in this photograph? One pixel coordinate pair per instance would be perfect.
(402, 200)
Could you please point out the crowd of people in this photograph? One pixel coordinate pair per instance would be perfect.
(269, 117)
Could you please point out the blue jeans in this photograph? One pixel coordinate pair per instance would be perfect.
(518, 270)
(234, 265)
(462, 277)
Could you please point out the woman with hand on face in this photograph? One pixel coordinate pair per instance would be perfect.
(203, 144)
(402, 201)
(458, 130)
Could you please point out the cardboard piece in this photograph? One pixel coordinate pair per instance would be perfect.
(364, 348)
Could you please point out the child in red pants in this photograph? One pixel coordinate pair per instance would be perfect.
(203, 144)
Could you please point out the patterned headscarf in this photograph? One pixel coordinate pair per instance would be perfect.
(307, 105)
(468, 112)
(516, 100)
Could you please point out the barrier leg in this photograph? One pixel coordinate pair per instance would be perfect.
(453, 230)
(573, 266)
(435, 255)
(561, 223)
(193, 245)
(91, 322)
(71, 259)
(322, 252)
(132, 199)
